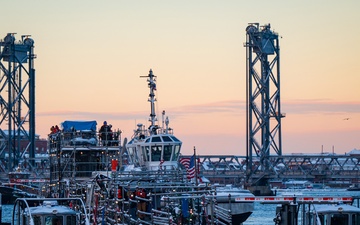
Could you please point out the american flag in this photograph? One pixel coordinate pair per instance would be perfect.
(189, 164)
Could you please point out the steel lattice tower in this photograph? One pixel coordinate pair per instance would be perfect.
(263, 116)
(17, 100)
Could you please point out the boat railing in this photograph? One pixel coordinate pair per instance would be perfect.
(160, 217)
(163, 202)
(318, 222)
(83, 138)
(222, 214)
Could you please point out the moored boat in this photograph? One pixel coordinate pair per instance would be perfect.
(20, 185)
(50, 211)
(339, 214)
(140, 181)
(234, 199)
(354, 187)
(315, 210)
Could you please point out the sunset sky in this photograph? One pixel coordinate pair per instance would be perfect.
(91, 54)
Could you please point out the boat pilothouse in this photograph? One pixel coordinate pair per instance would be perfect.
(155, 147)
(312, 210)
(50, 211)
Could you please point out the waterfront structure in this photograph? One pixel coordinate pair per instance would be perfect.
(17, 79)
(263, 112)
(323, 169)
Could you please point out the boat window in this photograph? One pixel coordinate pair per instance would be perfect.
(37, 220)
(71, 220)
(133, 155)
(166, 139)
(175, 139)
(176, 153)
(156, 139)
(340, 219)
(155, 153)
(53, 220)
(145, 153)
(167, 152)
(147, 140)
(148, 152)
(131, 152)
(355, 219)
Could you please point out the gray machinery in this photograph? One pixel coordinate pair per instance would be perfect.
(263, 118)
(17, 100)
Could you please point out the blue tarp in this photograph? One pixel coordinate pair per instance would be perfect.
(79, 125)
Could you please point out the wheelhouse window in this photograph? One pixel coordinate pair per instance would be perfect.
(155, 153)
(71, 220)
(176, 152)
(133, 155)
(156, 139)
(340, 219)
(37, 220)
(175, 139)
(167, 152)
(166, 139)
(355, 219)
(145, 153)
(53, 220)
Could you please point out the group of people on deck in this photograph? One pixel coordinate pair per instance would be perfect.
(106, 135)
(54, 129)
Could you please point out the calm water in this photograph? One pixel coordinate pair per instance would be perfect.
(263, 213)
(7, 213)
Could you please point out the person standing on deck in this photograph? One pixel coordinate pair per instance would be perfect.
(104, 132)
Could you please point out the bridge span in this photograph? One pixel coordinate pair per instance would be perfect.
(330, 170)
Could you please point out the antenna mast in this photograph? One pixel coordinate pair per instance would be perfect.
(152, 86)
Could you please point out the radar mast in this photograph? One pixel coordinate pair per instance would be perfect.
(152, 86)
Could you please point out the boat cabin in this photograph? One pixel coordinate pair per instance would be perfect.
(340, 214)
(49, 212)
(152, 152)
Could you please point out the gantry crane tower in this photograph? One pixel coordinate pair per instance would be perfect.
(17, 100)
(263, 117)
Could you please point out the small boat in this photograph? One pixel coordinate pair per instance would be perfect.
(315, 210)
(298, 184)
(20, 185)
(49, 211)
(340, 214)
(236, 200)
(354, 187)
